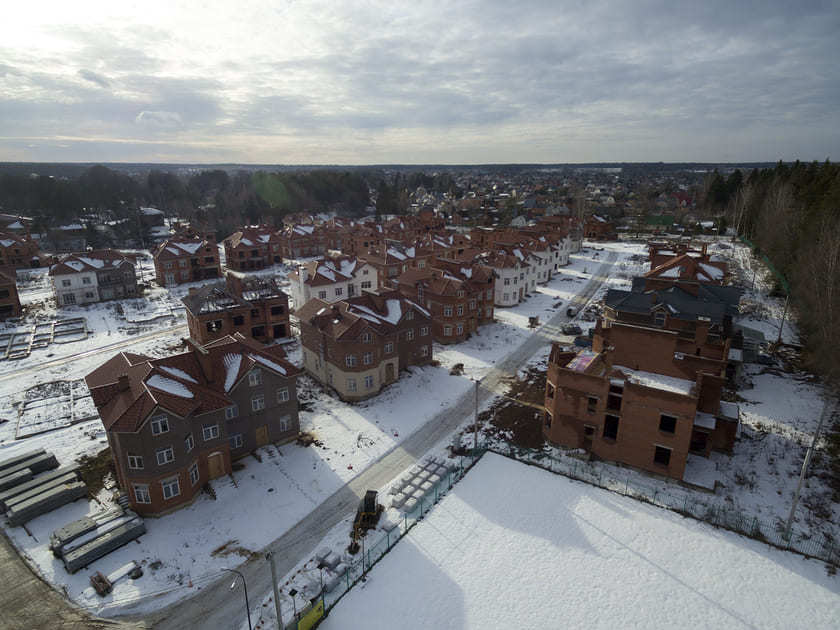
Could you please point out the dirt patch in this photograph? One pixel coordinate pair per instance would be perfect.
(517, 418)
(305, 438)
(94, 469)
(231, 548)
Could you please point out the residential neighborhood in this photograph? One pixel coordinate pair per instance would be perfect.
(222, 396)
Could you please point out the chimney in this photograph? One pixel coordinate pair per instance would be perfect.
(122, 383)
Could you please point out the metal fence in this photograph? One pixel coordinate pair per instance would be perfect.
(688, 504)
(373, 550)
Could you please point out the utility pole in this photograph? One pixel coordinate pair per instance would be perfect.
(475, 424)
(828, 408)
(270, 557)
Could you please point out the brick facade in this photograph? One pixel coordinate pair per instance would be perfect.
(187, 257)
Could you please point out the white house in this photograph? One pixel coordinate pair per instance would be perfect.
(512, 275)
(331, 279)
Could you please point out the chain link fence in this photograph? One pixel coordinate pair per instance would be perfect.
(688, 504)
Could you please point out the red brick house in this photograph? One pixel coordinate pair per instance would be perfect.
(9, 300)
(359, 345)
(19, 251)
(635, 399)
(175, 423)
(186, 257)
(459, 297)
(253, 247)
(256, 307)
(303, 241)
(688, 268)
(599, 228)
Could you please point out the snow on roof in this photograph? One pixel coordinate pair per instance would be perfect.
(303, 229)
(264, 238)
(467, 272)
(150, 211)
(713, 272)
(398, 255)
(420, 308)
(268, 363)
(169, 386)
(176, 372)
(15, 226)
(6, 243)
(518, 254)
(673, 272)
(348, 266)
(93, 262)
(172, 250)
(74, 264)
(325, 271)
(190, 246)
(232, 362)
(705, 420)
(247, 241)
(657, 381)
(71, 226)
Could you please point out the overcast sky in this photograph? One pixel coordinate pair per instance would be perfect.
(422, 82)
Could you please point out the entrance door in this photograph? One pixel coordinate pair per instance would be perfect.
(215, 465)
(389, 372)
(262, 435)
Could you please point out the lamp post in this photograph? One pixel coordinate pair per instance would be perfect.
(475, 423)
(245, 587)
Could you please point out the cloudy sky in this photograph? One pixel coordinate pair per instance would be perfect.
(354, 82)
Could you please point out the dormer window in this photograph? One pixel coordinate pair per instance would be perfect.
(366, 337)
(254, 378)
(659, 318)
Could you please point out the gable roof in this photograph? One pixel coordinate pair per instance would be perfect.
(98, 260)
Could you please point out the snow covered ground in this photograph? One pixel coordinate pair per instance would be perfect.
(515, 546)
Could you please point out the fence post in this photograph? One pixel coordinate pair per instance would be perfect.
(655, 492)
(626, 483)
(388, 539)
(405, 520)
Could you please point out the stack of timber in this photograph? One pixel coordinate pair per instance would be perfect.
(23, 496)
(81, 542)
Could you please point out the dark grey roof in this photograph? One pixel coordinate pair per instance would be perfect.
(712, 302)
(212, 298)
(629, 301)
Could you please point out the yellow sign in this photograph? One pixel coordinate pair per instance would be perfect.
(309, 619)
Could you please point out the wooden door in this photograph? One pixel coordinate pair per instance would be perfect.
(389, 372)
(215, 465)
(262, 435)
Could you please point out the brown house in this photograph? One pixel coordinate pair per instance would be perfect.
(255, 307)
(175, 423)
(635, 399)
(359, 345)
(186, 257)
(459, 297)
(9, 300)
(686, 269)
(19, 251)
(253, 247)
(599, 228)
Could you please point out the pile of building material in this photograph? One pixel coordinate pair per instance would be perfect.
(23, 496)
(81, 542)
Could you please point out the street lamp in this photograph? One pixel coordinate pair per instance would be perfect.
(475, 423)
(245, 586)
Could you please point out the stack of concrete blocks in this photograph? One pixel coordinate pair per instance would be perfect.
(333, 567)
(420, 481)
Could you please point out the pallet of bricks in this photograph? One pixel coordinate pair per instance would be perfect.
(32, 484)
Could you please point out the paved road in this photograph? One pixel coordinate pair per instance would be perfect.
(219, 608)
(109, 349)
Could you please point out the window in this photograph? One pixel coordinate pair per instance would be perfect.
(258, 403)
(135, 462)
(368, 382)
(214, 326)
(506, 297)
(366, 337)
(549, 390)
(447, 331)
(350, 360)
(547, 418)
(194, 473)
(409, 334)
(160, 424)
(667, 424)
(65, 283)
(89, 295)
(614, 397)
(659, 318)
(171, 488)
(189, 442)
(276, 310)
(283, 395)
(182, 262)
(424, 351)
(367, 358)
(185, 274)
(459, 330)
(231, 412)
(389, 347)
(662, 456)
(409, 315)
(489, 294)
(424, 330)
(238, 320)
(489, 311)
(507, 281)
(236, 441)
(366, 283)
(338, 291)
(322, 295)
(210, 432)
(85, 280)
(164, 456)
(255, 377)
(591, 404)
(351, 384)
(351, 290)
(447, 311)
(141, 493)
(460, 309)
(283, 423)
(460, 293)
(611, 427)
(167, 265)
(472, 305)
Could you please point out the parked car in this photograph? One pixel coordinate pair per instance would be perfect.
(582, 341)
(571, 329)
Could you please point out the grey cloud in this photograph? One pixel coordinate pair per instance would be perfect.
(93, 77)
(159, 119)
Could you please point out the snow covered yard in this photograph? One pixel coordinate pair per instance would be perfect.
(515, 546)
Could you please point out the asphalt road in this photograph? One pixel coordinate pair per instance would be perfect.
(217, 607)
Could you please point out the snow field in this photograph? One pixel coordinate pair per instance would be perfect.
(515, 546)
